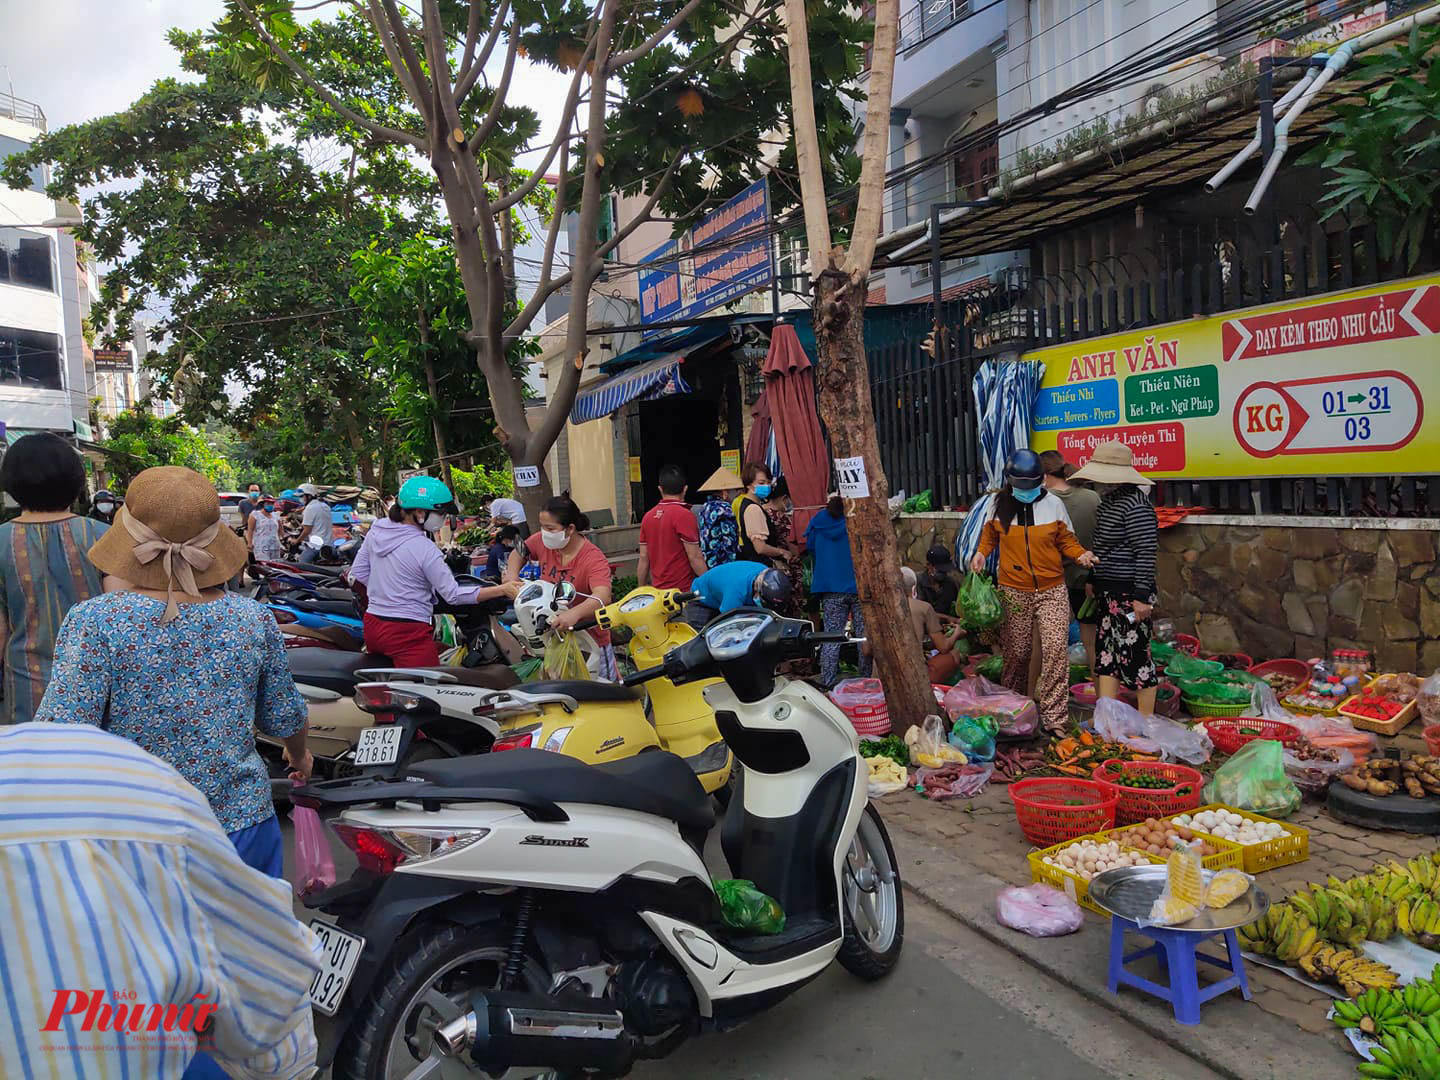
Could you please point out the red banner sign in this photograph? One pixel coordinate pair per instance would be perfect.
(1359, 321)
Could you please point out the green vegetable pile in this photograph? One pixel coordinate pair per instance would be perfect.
(892, 746)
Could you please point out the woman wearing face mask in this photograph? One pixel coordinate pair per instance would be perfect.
(262, 531)
(402, 571)
(565, 555)
(1032, 530)
(761, 538)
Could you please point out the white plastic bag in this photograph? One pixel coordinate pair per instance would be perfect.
(1263, 703)
(1038, 910)
(1116, 721)
(1427, 702)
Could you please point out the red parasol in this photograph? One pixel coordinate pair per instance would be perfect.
(790, 393)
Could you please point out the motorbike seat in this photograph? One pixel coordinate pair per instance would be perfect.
(656, 783)
(319, 606)
(486, 676)
(343, 596)
(332, 669)
(583, 690)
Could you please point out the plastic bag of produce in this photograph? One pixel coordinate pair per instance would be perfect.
(975, 736)
(992, 667)
(563, 659)
(314, 862)
(745, 907)
(1427, 702)
(1182, 666)
(1077, 655)
(954, 781)
(1254, 779)
(1115, 721)
(929, 747)
(1015, 714)
(528, 670)
(887, 776)
(1326, 732)
(1184, 892)
(1038, 910)
(979, 603)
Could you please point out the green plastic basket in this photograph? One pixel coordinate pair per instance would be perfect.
(1218, 710)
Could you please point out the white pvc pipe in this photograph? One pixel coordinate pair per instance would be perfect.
(1333, 66)
(1281, 106)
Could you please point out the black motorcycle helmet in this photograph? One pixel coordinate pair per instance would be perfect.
(106, 497)
(1023, 470)
(775, 588)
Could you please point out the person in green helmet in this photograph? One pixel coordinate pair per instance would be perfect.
(402, 571)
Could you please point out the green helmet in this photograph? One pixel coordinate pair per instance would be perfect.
(425, 493)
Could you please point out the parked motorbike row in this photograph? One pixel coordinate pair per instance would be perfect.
(531, 897)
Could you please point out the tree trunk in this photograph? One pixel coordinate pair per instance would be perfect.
(437, 425)
(844, 378)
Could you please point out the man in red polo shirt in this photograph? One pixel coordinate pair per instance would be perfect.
(669, 537)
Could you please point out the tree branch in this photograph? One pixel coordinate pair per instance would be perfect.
(631, 55)
(470, 72)
(502, 88)
(643, 215)
(870, 202)
(562, 137)
(386, 34)
(807, 138)
(407, 50)
(544, 289)
(389, 134)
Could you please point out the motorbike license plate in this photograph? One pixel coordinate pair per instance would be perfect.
(341, 951)
(379, 745)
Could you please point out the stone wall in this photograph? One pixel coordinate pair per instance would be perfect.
(1276, 587)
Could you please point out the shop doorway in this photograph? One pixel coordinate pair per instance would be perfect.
(677, 430)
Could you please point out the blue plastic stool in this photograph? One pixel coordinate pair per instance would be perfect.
(1177, 950)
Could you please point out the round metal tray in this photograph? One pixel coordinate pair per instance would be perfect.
(1130, 891)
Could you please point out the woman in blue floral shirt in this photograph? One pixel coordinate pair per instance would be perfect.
(179, 667)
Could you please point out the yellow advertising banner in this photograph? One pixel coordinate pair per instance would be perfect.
(730, 459)
(635, 470)
(1334, 385)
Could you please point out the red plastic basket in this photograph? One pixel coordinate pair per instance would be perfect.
(1137, 804)
(1187, 644)
(1296, 669)
(1246, 660)
(870, 718)
(1432, 739)
(1053, 810)
(1230, 735)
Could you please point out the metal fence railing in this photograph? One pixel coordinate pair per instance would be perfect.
(22, 111)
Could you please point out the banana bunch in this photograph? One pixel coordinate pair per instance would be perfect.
(1409, 1053)
(1353, 973)
(1283, 932)
(1286, 933)
(1380, 1010)
(1418, 918)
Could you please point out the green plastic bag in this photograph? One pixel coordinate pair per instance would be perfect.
(919, 504)
(1182, 666)
(979, 603)
(745, 907)
(1254, 779)
(527, 670)
(991, 667)
(1162, 652)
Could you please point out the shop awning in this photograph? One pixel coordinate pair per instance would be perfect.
(686, 341)
(658, 378)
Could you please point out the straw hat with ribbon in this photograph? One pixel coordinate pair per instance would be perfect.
(1112, 463)
(169, 536)
(722, 479)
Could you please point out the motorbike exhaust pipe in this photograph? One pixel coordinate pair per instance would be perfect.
(505, 1030)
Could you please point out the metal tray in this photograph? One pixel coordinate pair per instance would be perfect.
(1130, 891)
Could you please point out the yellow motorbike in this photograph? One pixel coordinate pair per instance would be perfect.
(591, 721)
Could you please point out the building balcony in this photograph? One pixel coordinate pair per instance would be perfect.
(944, 46)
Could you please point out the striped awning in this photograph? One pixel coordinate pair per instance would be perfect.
(659, 378)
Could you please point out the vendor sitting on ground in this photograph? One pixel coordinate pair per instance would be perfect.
(740, 584)
(931, 632)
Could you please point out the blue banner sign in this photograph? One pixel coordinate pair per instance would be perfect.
(699, 270)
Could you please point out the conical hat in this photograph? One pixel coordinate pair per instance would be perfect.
(722, 479)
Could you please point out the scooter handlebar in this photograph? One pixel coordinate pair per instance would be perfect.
(638, 677)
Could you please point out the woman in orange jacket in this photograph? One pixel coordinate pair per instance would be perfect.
(1032, 530)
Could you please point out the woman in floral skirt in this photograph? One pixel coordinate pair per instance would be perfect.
(1126, 540)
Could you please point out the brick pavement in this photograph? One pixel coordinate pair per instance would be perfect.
(985, 836)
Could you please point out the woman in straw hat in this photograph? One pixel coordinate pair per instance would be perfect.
(1126, 540)
(178, 666)
(43, 568)
(719, 531)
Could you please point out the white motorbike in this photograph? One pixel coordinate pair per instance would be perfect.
(524, 914)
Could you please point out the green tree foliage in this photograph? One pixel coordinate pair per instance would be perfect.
(469, 486)
(1385, 153)
(140, 440)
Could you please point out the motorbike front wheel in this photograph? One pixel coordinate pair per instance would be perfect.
(874, 901)
(426, 983)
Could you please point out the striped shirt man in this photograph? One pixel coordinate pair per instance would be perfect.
(130, 922)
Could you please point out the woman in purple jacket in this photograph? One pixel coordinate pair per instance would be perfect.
(402, 571)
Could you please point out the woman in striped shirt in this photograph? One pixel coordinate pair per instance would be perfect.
(1126, 543)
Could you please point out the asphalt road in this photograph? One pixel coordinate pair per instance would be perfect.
(957, 1006)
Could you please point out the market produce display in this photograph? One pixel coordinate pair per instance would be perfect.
(1228, 825)
(1287, 935)
(1378, 1011)
(1121, 775)
(1157, 837)
(1086, 858)
(1419, 776)
(1377, 704)
(1015, 763)
(1281, 682)
(891, 746)
(1226, 887)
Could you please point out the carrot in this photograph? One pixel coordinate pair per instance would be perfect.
(1087, 739)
